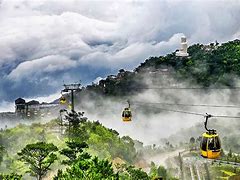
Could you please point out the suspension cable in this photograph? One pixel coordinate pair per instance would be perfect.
(190, 105)
(172, 110)
(187, 112)
(192, 88)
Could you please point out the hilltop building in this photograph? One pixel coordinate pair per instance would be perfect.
(20, 105)
(33, 108)
(183, 50)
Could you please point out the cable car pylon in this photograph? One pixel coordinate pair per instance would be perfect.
(71, 88)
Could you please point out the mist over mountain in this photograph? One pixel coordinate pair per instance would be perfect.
(210, 76)
(44, 43)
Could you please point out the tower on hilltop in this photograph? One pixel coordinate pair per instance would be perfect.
(183, 50)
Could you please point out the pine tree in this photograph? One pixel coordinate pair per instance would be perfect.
(40, 156)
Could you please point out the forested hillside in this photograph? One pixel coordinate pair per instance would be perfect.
(207, 66)
(102, 142)
(79, 149)
(97, 137)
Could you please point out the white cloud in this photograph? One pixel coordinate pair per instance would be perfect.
(132, 54)
(84, 29)
(6, 106)
(46, 64)
(96, 81)
(48, 99)
(103, 34)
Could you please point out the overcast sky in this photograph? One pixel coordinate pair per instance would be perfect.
(46, 42)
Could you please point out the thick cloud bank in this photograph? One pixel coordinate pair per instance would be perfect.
(46, 42)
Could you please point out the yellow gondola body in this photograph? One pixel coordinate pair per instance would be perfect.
(210, 145)
(63, 100)
(127, 115)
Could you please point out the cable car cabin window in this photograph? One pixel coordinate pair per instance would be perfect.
(63, 98)
(204, 144)
(211, 144)
(217, 143)
(126, 114)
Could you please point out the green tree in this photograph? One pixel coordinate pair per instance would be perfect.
(137, 174)
(2, 149)
(88, 169)
(131, 173)
(76, 126)
(192, 140)
(157, 172)
(230, 154)
(153, 170)
(40, 156)
(162, 172)
(12, 176)
(1, 153)
(73, 152)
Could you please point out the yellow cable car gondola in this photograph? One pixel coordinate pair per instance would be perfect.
(127, 114)
(210, 145)
(63, 100)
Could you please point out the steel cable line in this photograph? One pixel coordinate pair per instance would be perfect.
(187, 112)
(190, 88)
(225, 116)
(189, 105)
(171, 110)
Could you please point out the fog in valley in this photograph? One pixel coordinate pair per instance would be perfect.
(153, 121)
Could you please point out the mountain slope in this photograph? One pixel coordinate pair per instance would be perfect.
(207, 66)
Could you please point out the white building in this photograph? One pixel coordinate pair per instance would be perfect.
(183, 50)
